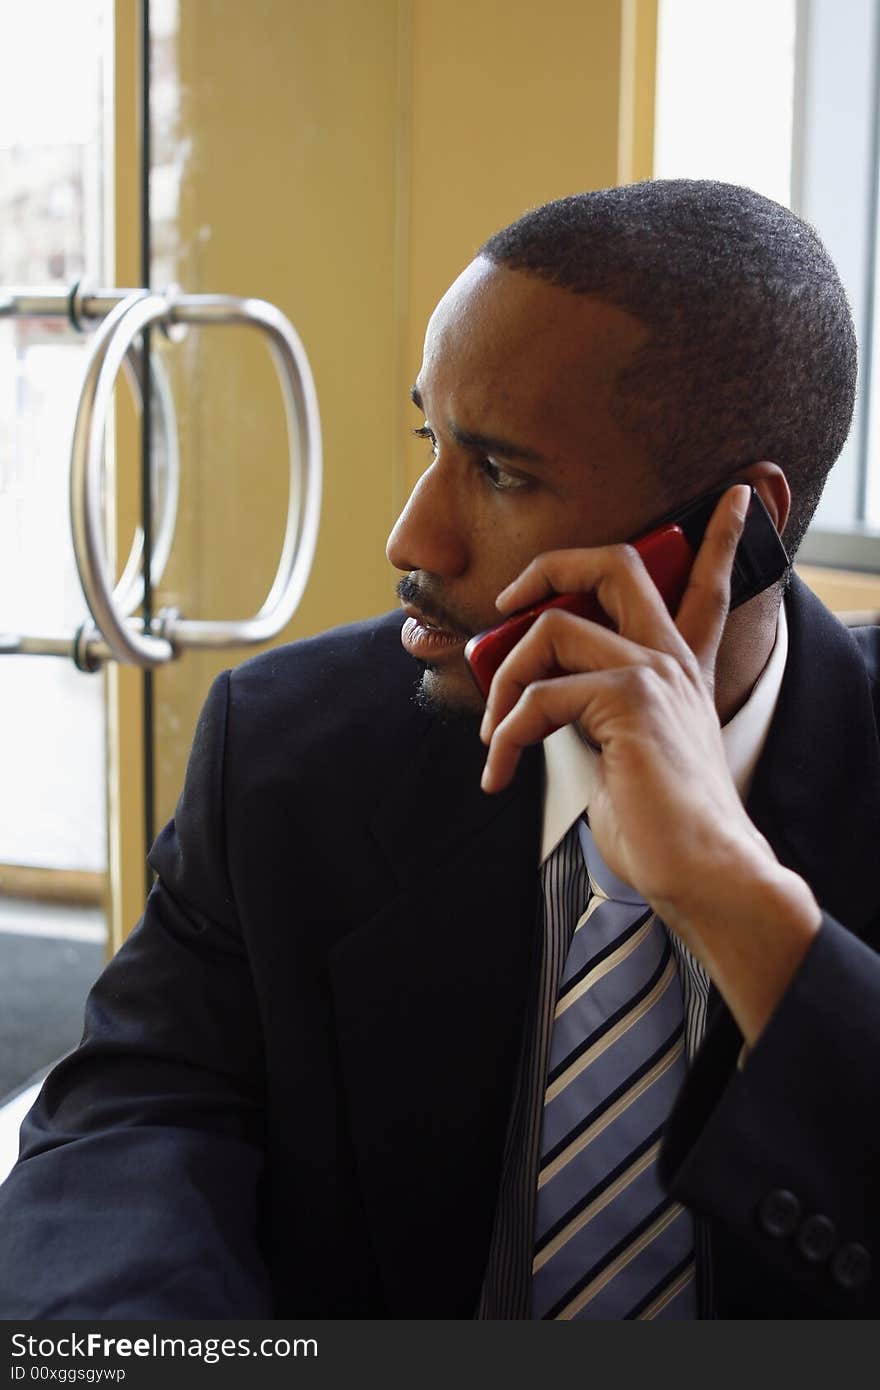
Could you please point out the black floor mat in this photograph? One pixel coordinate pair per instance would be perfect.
(43, 986)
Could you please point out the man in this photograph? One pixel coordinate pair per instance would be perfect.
(320, 1076)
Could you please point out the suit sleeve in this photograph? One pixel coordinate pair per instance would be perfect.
(137, 1190)
(782, 1157)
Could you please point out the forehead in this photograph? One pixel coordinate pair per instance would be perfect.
(501, 340)
(500, 319)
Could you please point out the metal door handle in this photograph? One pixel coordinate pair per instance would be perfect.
(129, 591)
(112, 341)
(304, 470)
(84, 309)
(124, 314)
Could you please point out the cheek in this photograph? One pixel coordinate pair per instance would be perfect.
(551, 528)
(504, 545)
(506, 550)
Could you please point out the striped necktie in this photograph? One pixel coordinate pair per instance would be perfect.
(609, 1242)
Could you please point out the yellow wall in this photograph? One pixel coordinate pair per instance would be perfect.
(512, 105)
(344, 159)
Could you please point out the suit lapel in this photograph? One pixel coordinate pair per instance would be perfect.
(430, 997)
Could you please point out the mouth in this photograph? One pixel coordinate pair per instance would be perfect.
(426, 639)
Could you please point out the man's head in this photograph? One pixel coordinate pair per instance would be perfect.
(603, 359)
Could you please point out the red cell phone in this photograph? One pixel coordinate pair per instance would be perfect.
(668, 551)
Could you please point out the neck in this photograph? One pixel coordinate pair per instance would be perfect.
(744, 652)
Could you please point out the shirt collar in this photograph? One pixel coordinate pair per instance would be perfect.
(570, 764)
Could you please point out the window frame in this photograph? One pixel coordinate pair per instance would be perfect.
(835, 159)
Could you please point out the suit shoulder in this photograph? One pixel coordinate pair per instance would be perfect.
(361, 655)
(830, 650)
(868, 641)
(353, 682)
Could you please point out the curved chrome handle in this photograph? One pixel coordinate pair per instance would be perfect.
(86, 646)
(129, 590)
(112, 342)
(125, 314)
(304, 498)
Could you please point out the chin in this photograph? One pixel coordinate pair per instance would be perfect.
(448, 698)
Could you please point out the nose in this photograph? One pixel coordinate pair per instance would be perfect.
(428, 535)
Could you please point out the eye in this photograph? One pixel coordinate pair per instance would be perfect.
(499, 478)
(425, 432)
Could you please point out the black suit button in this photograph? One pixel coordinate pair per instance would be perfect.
(779, 1212)
(851, 1266)
(816, 1238)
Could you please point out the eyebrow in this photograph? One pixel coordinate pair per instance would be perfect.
(486, 443)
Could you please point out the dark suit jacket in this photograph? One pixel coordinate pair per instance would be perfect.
(294, 1082)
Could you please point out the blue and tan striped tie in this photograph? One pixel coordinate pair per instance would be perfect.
(609, 1242)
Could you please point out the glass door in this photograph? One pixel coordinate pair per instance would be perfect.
(277, 171)
(252, 153)
(53, 831)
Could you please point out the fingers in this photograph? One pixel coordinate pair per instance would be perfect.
(561, 641)
(625, 590)
(617, 576)
(545, 706)
(591, 699)
(703, 610)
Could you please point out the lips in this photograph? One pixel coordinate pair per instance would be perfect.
(426, 639)
(432, 624)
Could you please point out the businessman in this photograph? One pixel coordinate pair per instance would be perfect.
(557, 1006)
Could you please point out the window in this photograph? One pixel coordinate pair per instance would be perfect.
(52, 198)
(782, 95)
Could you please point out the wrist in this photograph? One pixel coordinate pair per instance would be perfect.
(722, 875)
(749, 922)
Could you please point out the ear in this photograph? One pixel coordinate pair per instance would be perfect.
(771, 483)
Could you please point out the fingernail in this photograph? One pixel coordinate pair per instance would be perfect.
(742, 498)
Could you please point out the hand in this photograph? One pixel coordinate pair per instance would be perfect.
(664, 804)
(664, 810)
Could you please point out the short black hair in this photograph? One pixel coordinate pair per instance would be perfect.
(752, 353)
